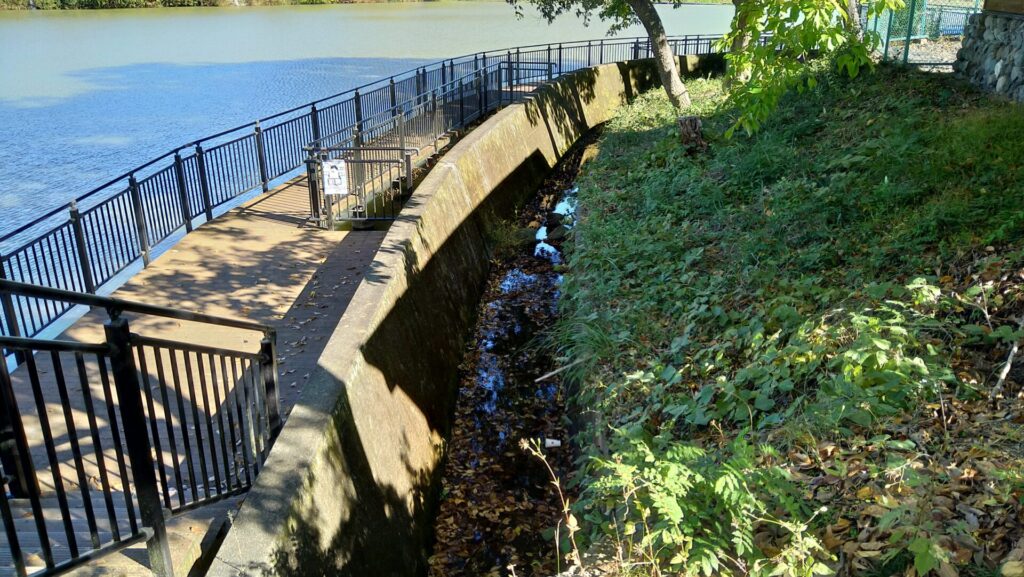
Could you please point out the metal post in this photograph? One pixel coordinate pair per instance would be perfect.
(268, 371)
(133, 420)
(261, 157)
(14, 448)
(358, 101)
(75, 218)
(479, 95)
(314, 121)
(519, 67)
(486, 87)
(394, 95)
(910, 30)
(186, 208)
(204, 182)
(888, 34)
(140, 218)
(462, 103)
(313, 185)
(7, 306)
(407, 156)
(444, 74)
(600, 53)
(636, 50)
(550, 71)
(508, 64)
(589, 50)
(559, 59)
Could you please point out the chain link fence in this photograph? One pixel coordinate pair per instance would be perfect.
(923, 32)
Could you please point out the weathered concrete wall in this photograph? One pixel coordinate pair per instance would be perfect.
(992, 55)
(350, 484)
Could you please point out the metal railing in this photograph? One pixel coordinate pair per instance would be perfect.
(449, 97)
(87, 244)
(98, 440)
(922, 33)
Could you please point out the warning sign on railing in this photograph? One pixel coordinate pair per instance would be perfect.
(336, 177)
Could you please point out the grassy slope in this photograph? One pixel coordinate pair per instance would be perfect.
(812, 317)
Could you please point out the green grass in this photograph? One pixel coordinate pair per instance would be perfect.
(823, 279)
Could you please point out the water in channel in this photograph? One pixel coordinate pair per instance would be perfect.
(498, 506)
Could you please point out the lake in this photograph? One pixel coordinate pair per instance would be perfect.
(86, 95)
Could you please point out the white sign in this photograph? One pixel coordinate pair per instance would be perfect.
(335, 177)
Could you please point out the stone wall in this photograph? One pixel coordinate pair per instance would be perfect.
(992, 55)
(351, 483)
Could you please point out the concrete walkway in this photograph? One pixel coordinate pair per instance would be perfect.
(262, 261)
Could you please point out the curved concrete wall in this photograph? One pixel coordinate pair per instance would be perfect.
(350, 484)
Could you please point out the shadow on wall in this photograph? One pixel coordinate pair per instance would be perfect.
(416, 349)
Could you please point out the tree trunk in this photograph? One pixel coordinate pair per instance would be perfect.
(741, 41)
(663, 57)
(853, 17)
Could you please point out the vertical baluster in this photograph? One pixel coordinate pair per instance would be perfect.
(16, 449)
(358, 103)
(97, 446)
(51, 454)
(12, 533)
(209, 419)
(76, 450)
(126, 380)
(115, 433)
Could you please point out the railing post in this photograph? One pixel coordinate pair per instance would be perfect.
(636, 50)
(314, 121)
(519, 67)
(136, 435)
(406, 155)
(600, 54)
(268, 370)
(261, 157)
(486, 88)
(910, 32)
(15, 453)
(358, 103)
(394, 94)
(204, 182)
(140, 218)
(508, 74)
(548, 60)
(313, 185)
(589, 50)
(186, 206)
(559, 59)
(10, 315)
(75, 218)
(888, 35)
(462, 103)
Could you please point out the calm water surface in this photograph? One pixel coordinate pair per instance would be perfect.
(87, 95)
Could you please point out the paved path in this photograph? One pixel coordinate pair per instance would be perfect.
(261, 261)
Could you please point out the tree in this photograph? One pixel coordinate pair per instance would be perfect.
(623, 13)
(771, 42)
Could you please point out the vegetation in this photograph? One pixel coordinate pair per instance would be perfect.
(89, 4)
(795, 351)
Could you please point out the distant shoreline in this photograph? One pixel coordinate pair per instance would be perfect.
(62, 5)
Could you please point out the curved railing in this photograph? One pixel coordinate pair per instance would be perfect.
(90, 242)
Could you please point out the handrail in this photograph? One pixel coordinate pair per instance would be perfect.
(122, 305)
(53, 345)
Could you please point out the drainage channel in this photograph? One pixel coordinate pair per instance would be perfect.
(498, 506)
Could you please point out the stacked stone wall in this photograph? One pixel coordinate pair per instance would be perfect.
(992, 55)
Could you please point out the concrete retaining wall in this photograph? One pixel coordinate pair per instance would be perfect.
(350, 485)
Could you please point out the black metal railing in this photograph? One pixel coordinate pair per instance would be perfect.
(97, 440)
(90, 243)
